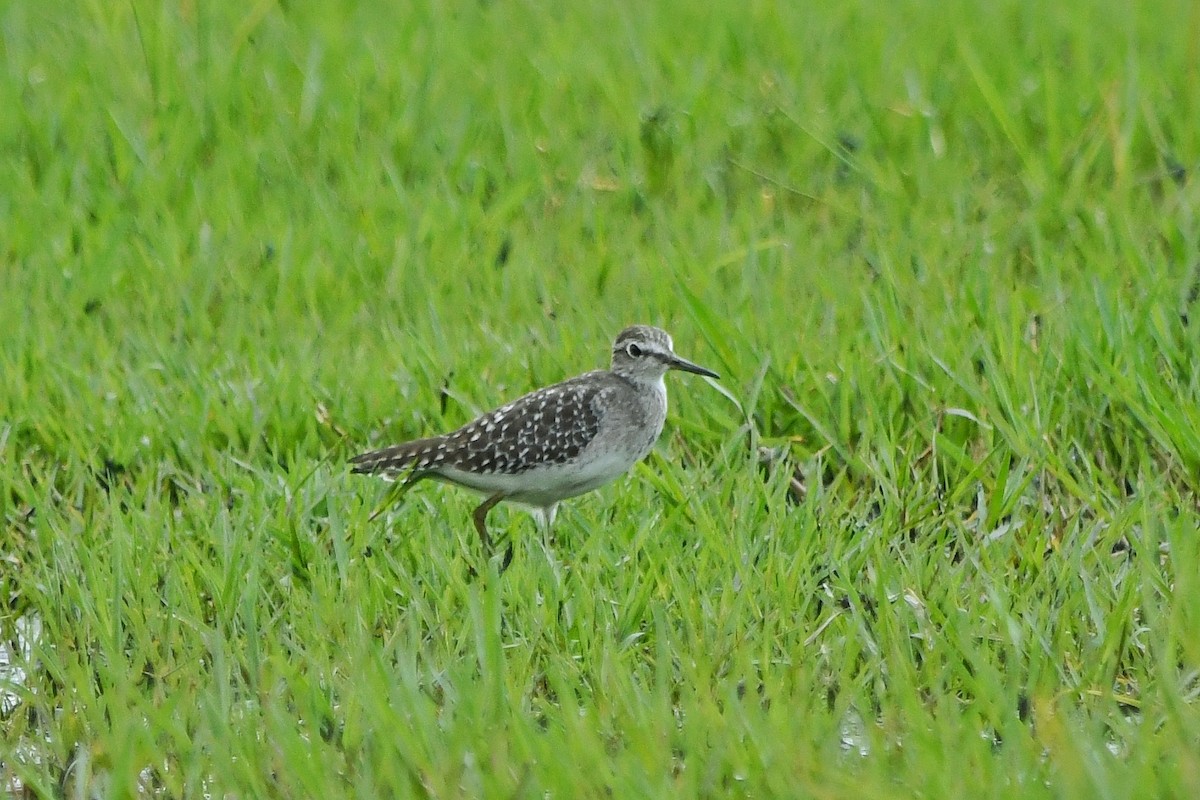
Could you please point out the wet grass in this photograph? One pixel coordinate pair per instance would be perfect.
(938, 537)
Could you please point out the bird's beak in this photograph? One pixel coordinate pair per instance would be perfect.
(675, 362)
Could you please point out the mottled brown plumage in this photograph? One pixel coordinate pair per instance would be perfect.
(549, 426)
(556, 442)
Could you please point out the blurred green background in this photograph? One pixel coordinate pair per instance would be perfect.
(938, 538)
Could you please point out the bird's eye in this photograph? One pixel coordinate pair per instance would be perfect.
(633, 350)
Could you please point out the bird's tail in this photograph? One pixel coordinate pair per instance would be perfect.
(410, 458)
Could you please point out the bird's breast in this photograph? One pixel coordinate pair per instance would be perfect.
(632, 427)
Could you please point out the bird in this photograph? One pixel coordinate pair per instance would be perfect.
(554, 443)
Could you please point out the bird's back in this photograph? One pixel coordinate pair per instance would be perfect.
(548, 427)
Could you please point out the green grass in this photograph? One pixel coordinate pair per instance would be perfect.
(940, 539)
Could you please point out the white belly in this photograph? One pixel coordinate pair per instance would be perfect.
(545, 486)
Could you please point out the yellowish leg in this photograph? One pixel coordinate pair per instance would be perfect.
(480, 517)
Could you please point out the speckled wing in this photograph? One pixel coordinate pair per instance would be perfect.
(550, 426)
(412, 459)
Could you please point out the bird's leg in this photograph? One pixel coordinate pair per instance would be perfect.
(480, 517)
(545, 524)
(549, 513)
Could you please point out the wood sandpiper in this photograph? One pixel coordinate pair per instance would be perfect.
(554, 443)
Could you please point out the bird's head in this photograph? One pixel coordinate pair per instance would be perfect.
(645, 353)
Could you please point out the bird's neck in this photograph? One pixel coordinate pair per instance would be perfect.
(654, 391)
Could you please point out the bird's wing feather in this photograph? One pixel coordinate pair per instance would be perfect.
(415, 457)
(549, 426)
